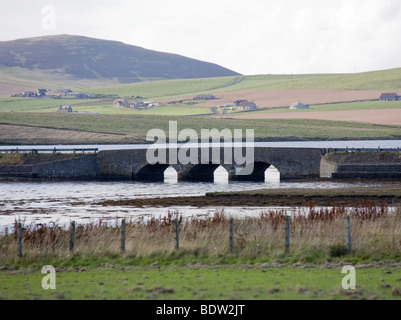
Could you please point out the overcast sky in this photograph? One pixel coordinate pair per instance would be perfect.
(250, 37)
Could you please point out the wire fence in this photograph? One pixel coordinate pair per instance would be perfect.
(336, 232)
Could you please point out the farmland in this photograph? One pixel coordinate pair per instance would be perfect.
(50, 128)
(386, 117)
(335, 97)
(203, 267)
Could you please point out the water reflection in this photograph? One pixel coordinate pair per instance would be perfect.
(272, 176)
(62, 202)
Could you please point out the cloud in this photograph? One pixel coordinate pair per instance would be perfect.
(251, 37)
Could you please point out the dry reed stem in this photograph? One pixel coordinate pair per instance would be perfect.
(375, 230)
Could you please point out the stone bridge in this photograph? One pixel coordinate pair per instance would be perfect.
(292, 163)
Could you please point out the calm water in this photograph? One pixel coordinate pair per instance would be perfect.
(63, 202)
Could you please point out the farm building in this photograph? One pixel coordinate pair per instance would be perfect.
(121, 103)
(41, 92)
(298, 105)
(74, 95)
(61, 93)
(205, 97)
(245, 104)
(64, 109)
(390, 97)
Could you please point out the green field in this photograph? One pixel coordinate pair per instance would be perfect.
(30, 128)
(167, 88)
(205, 267)
(387, 80)
(29, 117)
(166, 110)
(377, 80)
(30, 104)
(192, 282)
(105, 106)
(100, 106)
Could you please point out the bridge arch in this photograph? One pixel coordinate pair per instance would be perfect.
(258, 174)
(198, 172)
(151, 172)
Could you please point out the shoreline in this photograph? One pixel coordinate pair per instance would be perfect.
(363, 196)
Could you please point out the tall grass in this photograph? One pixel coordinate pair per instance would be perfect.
(317, 234)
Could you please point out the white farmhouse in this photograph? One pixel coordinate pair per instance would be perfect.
(298, 105)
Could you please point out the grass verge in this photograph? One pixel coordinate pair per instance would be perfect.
(197, 282)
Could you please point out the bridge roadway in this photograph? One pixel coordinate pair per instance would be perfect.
(133, 164)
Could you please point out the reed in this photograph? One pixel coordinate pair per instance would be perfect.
(317, 234)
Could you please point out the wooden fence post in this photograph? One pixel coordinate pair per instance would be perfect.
(348, 237)
(176, 235)
(287, 235)
(72, 238)
(231, 235)
(19, 235)
(123, 227)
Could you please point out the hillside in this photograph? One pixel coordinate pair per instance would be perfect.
(383, 80)
(66, 57)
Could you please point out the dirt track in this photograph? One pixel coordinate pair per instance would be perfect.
(382, 117)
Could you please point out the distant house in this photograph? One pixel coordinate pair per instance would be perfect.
(50, 93)
(74, 95)
(140, 105)
(64, 109)
(205, 97)
(41, 92)
(62, 92)
(390, 97)
(28, 94)
(245, 104)
(298, 105)
(121, 103)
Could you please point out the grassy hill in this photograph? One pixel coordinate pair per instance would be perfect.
(55, 59)
(375, 80)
